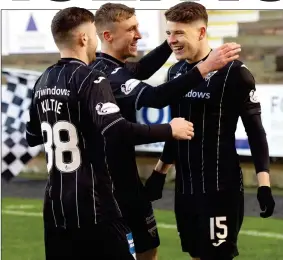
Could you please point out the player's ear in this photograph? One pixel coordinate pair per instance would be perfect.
(83, 38)
(107, 36)
(202, 33)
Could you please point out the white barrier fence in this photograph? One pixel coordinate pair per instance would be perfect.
(271, 98)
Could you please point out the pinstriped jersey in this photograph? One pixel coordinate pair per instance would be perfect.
(71, 109)
(209, 162)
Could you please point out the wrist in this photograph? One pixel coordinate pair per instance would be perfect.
(162, 167)
(203, 69)
(158, 172)
(263, 179)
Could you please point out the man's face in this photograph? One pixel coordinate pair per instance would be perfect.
(92, 42)
(184, 39)
(125, 36)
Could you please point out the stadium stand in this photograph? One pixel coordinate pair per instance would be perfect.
(262, 49)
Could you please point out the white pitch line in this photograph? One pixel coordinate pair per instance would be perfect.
(21, 213)
(253, 233)
(20, 206)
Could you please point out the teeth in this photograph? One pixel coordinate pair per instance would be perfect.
(177, 48)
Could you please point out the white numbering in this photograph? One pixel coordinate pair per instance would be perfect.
(53, 137)
(218, 222)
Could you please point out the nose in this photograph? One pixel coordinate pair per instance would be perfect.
(138, 35)
(172, 39)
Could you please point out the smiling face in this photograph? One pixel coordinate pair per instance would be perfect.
(125, 36)
(118, 30)
(186, 30)
(184, 39)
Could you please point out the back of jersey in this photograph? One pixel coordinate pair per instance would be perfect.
(79, 190)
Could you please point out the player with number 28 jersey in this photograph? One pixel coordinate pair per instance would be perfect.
(74, 114)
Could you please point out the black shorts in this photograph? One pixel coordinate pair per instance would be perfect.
(209, 224)
(140, 218)
(104, 241)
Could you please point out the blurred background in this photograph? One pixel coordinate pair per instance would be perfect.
(28, 49)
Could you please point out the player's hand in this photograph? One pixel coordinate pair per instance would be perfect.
(182, 129)
(219, 57)
(154, 185)
(266, 201)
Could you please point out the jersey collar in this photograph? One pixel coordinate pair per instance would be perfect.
(71, 60)
(109, 58)
(192, 65)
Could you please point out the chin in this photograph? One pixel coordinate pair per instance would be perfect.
(180, 56)
(133, 54)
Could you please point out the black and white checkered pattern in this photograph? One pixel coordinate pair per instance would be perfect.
(16, 99)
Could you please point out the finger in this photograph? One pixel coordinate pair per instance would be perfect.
(189, 126)
(267, 213)
(190, 123)
(190, 133)
(184, 137)
(226, 45)
(233, 52)
(235, 57)
(231, 47)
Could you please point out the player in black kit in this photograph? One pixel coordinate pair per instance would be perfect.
(74, 114)
(209, 202)
(117, 28)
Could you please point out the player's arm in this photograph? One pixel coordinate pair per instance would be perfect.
(151, 62)
(167, 93)
(106, 115)
(134, 94)
(33, 129)
(155, 183)
(251, 117)
(137, 94)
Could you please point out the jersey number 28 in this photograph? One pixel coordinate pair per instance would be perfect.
(71, 146)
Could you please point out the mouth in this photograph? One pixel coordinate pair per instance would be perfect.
(177, 49)
(134, 45)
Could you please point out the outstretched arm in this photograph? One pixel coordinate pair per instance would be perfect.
(151, 62)
(106, 115)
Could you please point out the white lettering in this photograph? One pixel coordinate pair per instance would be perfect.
(201, 95)
(51, 105)
(42, 106)
(51, 91)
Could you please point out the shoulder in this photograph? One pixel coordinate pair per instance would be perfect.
(103, 66)
(235, 66)
(88, 76)
(237, 71)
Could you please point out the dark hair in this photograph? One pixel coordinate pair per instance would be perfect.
(112, 13)
(187, 12)
(67, 20)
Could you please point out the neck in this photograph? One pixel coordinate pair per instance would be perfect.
(112, 53)
(203, 52)
(75, 54)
